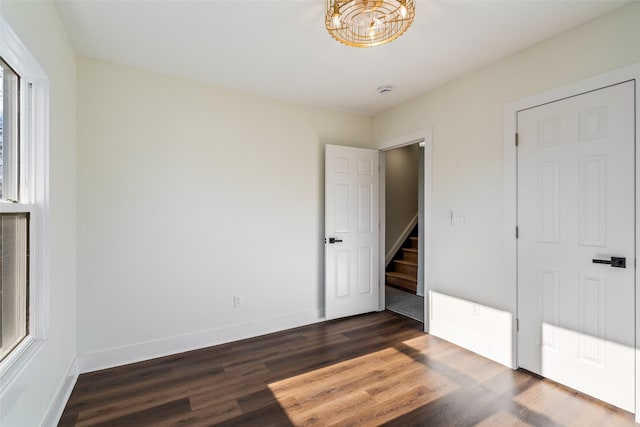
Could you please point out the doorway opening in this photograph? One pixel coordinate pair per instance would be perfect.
(404, 286)
(407, 226)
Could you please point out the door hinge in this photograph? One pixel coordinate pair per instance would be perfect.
(517, 232)
(516, 139)
(517, 325)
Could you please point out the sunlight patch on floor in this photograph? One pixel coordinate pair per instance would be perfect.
(340, 388)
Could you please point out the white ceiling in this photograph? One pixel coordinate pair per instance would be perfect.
(281, 49)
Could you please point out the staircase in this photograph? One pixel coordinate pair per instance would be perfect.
(402, 271)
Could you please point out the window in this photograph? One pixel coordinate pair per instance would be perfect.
(14, 222)
(24, 207)
(13, 226)
(13, 274)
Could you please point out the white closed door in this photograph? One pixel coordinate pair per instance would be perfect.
(575, 218)
(351, 231)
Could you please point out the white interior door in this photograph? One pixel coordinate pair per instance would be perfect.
(575, 205)
(351, 231)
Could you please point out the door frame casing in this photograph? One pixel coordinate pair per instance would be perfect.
(426, 136)
(510, 187)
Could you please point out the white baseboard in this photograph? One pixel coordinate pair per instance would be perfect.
(478, 328)
(398, 244)
(62, 396)
(119, 356)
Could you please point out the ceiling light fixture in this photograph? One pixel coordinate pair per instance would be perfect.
(368, 23)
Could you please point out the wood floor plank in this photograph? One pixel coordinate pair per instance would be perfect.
(204, 417)
(104, 407)
(341, 410)
(146, 417)
(203, 397)
(271, 415)
(120, 391)
(367, 370)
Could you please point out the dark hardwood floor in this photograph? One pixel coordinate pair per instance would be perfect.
(374, 369)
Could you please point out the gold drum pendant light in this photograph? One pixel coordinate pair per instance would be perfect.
(368, 23)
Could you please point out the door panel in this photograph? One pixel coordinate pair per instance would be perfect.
(351, 219)
(575, 204)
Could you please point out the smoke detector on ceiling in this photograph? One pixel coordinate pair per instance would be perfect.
(385, 89)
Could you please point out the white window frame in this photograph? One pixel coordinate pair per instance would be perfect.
(34, 195)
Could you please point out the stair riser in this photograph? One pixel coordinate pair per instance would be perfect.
(402, 283)
(407, 269)
(409, 256)
(413, 242)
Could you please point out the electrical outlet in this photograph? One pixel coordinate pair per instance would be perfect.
(237, 301)
(460, 222)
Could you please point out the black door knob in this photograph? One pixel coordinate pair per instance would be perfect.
(617, 262)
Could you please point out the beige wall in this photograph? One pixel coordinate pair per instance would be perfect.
(26, 401)
(189, 195)
(401, 191)
(466, 116)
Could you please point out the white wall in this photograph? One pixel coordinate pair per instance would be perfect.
(170, 173)
(467, 120)
(27, 401)
(401, 189)
(189, 195)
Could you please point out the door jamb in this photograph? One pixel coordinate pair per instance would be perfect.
(426, 136)
(510, 197)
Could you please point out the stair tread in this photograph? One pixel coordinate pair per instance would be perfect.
(410, 250)
(410, 289)
(405, 262)
(401, 276)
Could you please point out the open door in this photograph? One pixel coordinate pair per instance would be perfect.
(351, 231)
